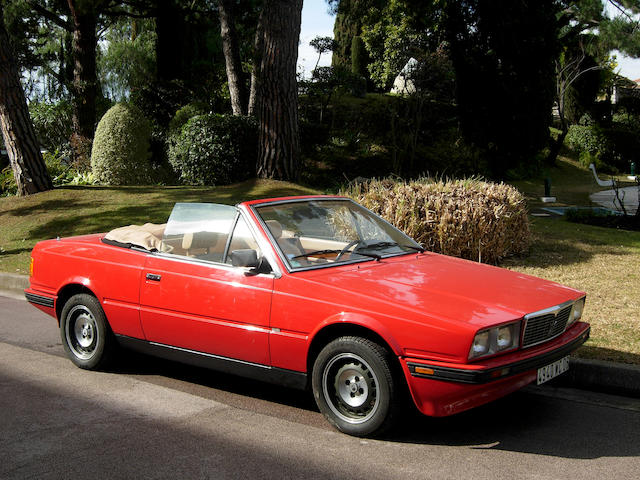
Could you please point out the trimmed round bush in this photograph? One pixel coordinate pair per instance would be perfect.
(120, 153)
(471, 219)
(214, 149)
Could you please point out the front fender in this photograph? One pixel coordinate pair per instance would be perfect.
(345, 319)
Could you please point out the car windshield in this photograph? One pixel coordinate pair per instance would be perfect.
(318, 233)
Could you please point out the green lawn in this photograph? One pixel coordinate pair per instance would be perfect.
(603, 262)
(78, 210)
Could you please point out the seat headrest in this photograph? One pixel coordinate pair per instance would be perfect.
(199, 240)
(275, 227)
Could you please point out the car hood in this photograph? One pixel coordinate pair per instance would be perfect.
(443, 287)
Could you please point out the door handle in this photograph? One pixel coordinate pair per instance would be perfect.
(154, 277)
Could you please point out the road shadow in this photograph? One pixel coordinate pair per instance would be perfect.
(528, 423)
(521, 422)
(138, 364)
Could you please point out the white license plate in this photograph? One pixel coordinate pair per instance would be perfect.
(552, 370)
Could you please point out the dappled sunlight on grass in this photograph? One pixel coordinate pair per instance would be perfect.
(80, 210)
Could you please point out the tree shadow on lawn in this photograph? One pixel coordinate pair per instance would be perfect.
(549, 250)
(608, 354)
(48, 206)
(15, 251)
(98, 222)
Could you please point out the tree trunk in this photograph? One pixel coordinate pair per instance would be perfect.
(258, 45)
(85, 82)
(19, 135)
(277, 103)
(231, 50)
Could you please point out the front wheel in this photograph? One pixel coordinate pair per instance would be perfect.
(353, 386)
(85, 333)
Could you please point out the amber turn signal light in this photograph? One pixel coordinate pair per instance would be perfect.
(424, 370)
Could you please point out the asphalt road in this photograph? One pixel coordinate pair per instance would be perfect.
(155, 419)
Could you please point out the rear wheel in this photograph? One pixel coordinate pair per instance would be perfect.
(353, 386)
(85, 333)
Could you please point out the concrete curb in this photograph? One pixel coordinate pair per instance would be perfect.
(601, 376)
(13, 281)
(595, 375)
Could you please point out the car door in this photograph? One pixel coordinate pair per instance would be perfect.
(194, 299)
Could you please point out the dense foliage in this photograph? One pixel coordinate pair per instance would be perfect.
(487, 75)
(214, 149)
(120, 154)
(503, 54)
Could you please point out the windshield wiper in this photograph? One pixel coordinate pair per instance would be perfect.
(390, 244)
(316, 252)
(322, 252)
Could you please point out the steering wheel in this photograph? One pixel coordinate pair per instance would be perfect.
(346, 249)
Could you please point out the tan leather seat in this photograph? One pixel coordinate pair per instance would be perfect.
(290, 246)
(200, 242)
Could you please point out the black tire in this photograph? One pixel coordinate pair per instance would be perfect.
(353, 386)
(85, 333)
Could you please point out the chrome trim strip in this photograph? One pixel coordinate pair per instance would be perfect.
(549, 310)
(210, 355)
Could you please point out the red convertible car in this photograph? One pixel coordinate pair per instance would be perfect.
(310, 292)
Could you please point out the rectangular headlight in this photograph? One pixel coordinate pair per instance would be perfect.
(495, 340)
(576, 311)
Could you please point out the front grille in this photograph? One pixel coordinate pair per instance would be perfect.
(545, 325)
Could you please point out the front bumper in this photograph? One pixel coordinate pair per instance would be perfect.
(440, 389)
(44, 301)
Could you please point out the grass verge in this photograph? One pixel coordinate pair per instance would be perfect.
(604, 262)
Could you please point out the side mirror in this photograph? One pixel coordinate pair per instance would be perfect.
(244, 258)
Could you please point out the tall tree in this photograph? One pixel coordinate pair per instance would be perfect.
(588, 32)
(170, 33)
(231, 49)
(18, 133)
(256, 61)
(85, 79)
(503, 53)
(348, 24)
(277, 107)
(80, 19)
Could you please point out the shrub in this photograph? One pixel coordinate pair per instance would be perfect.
(469, 218)
(120, 154)
(615, 146)
(8, 185)
(184, 114)
(52, 122)
(587, 159)
(214, 149)
(586, 138)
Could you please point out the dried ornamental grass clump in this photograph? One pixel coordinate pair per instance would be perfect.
(468, 218)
